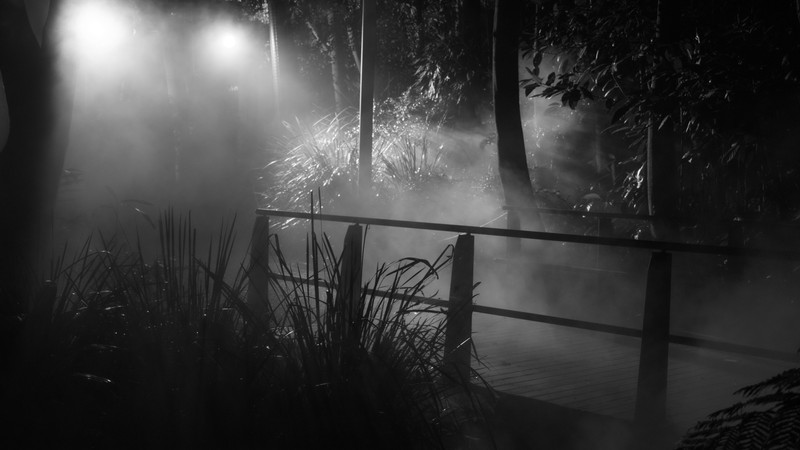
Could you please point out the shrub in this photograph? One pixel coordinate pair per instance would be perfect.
(323, 156)
(118, 352)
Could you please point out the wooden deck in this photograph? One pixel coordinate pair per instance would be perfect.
(572, 277)
(597, 372)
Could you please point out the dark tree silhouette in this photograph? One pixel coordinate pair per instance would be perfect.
(714, 84)
(39, 85)
(662, 158)
(512, 161)
(326, 21)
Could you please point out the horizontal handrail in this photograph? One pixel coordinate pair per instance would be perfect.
(575, 212)
(689, 341)
(544, 236)
(655, 332)
(561, 321)
(645, 217)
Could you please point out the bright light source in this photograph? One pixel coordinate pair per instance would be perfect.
(230, 40)
(226, 43)
(96, 28)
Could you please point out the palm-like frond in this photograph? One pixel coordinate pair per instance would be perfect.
(767, 418)
(323, 156)
(410, 165)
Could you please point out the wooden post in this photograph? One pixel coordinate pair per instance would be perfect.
(651, 393)
(258, 275)
(513, 245)
(349, 289)
(458, 336)
(369, 50)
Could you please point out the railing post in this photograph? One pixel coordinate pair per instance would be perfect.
(458, 335)
(513, 245)
(651, 396)
(351, 268)
(258, 275)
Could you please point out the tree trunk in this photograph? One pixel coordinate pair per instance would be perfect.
(274, 60)
(286, 56)
(662, 161)
(39, 89)
(512, 162)
(470, 34)
(419, 22)
(797, 10)
(337, 57)
(369, 50)
(355, 49)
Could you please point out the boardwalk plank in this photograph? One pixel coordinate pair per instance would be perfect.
(597, 373)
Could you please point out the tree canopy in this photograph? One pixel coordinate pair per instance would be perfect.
(726, 76)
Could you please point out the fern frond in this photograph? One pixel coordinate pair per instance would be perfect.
(768, 418)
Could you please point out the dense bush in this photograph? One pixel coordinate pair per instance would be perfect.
(121, 352)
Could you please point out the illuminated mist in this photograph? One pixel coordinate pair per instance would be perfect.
(169, 112)
(174, 112)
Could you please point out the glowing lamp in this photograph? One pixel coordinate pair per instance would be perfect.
(96, 28)
(226, 43)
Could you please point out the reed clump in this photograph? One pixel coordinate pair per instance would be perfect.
(120, 351)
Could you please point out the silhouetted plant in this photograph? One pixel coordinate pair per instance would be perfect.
(369, 367)
(118, 352)
(768, 418)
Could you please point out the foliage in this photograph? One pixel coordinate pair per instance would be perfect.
(323, 157)
(373, 371)
(328, 32)
(410, 165)
(318, 156)
(453, 63)
(118, 352)
(768, 418)
(727, 76)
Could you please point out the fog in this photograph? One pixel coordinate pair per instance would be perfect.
(169, 112)
(176, 113)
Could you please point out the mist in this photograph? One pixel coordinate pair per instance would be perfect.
(168, 114)
(176, 112)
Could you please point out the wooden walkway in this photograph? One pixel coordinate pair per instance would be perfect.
(597, 372)
(574, 277)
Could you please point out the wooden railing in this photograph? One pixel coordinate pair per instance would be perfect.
(734, 227)
(655, 332)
